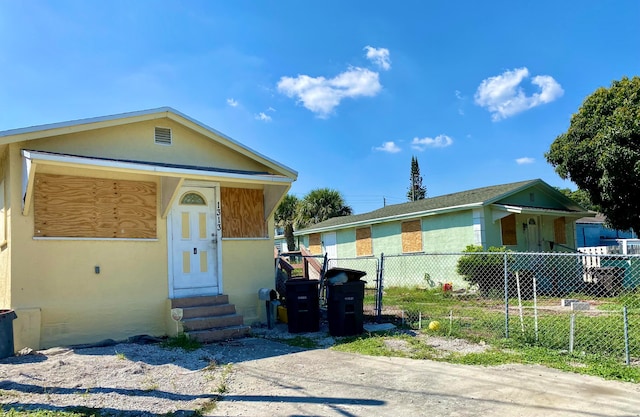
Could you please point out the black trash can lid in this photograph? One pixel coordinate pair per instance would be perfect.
(352, 274)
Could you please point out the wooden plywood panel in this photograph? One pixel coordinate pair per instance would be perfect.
(509, 230)
(364, 246)
(559, 230)
(411, 236)
(315, 244)
(242, 212)
(68, 206)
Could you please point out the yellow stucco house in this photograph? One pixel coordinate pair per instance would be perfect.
(111, 224)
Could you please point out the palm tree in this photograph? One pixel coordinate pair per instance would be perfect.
(285, 217)
(319, 205)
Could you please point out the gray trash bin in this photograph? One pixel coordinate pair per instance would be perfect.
(6, 333)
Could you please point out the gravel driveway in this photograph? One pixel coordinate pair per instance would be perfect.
(268, 378)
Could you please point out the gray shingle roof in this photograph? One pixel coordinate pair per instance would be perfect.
(478, 196)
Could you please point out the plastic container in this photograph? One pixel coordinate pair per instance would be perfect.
(6, 333)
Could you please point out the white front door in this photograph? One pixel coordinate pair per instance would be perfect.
(533, 234)
(330, 244)
(194, 235)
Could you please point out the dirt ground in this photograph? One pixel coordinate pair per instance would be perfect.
(261, 377)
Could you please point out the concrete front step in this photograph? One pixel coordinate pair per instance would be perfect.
(217, 335)
(210, 318)
(212, 322)
(210, 310)
(210, 300)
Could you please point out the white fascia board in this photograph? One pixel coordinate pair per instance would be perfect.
(36, 132)
(66, 160)
(75, 125)
(390, 219)
(534, 210)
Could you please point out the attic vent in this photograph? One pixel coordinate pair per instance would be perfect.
(163, 136)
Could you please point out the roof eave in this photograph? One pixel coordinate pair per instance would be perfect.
(399, 217)
(81, 125)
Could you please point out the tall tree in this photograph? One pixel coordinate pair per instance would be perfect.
(416, 190)
(319, 205)
(600, 152)
(579, 196)
(285, 218)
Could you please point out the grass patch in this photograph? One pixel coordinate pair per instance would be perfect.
(182, 341)
(502, 351)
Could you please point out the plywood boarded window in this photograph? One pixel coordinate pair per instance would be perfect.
(69, 206)
(315, 244)
(509, 230)
(242, 213)
(559, 230)
(411, 236)
(364, 246)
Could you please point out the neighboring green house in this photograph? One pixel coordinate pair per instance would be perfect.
(526, 216)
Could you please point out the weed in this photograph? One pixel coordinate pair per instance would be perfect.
(224, 378)
(206, 408)
(121, 356)
(182, 341)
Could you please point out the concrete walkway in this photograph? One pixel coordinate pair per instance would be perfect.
(328, 383)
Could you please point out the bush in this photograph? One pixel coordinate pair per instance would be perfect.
(483, 268)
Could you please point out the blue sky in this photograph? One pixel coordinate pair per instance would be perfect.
(344, 92)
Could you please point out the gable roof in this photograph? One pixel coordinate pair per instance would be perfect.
(73, 126)
(469, 199)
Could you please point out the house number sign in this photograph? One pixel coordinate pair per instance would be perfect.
(218, 217)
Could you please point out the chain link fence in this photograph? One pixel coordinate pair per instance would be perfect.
(578, 302)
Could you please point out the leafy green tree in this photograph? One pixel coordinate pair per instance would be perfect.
(579, 196)
(416, 190)
(319, 205)
(285, 218)
(600, 152)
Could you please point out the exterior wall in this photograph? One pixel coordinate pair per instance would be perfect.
(346, 243)
(248, 265)
(387, 238)
(541, 199)
(60, 299)
(5, 250)
(136, 142)
(450, 232)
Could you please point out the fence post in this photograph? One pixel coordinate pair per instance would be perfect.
(379, 286)
(506, 297)
(626, 336)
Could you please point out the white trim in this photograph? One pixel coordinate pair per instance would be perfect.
(479, 233)
(541, 211)
(169, 240)
(37, 156)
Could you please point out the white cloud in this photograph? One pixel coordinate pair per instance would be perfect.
(525, 160)
(232, 102)
(379, 56)
(271, 109)
(503, 96)
(389, 147)
(321, 95)
(263, 117)
(440, 141)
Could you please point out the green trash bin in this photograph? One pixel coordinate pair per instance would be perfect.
(6, 333)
